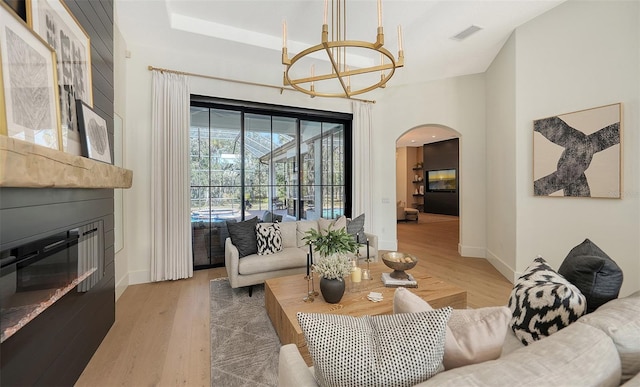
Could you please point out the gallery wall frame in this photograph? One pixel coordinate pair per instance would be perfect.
(28, 83)
(54, 22)
(19, 7)
(93, 132)
(579, 154)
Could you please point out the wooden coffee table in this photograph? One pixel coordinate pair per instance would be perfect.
(283, 300)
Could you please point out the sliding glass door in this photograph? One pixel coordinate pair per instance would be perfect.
(271, 164)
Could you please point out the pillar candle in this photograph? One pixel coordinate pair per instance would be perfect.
(356, 274)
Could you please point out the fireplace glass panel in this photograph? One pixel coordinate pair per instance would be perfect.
(35, 275)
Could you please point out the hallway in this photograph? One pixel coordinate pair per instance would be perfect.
(434, 240)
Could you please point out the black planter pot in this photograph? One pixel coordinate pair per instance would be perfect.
(332, 290)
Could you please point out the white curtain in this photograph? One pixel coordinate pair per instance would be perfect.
(170, 206)
(362, 179)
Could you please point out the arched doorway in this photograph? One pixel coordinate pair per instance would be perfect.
(427, 180)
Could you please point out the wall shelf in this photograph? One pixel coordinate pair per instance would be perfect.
(29, 165)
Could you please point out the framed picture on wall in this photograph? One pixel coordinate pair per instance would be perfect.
(94, 134)
(19, 7)
(579, 154)
(54, 22)
(28, 92)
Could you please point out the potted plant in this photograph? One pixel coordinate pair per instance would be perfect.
(332, 246)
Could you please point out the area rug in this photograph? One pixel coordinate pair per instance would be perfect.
(244, 345)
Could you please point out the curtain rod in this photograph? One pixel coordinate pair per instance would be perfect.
(281, 88)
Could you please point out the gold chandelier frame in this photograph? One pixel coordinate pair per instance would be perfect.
(342, 74)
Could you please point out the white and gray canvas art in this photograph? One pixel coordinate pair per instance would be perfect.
(73, 80)
(578, 154)
(29, 93)
(97, 137)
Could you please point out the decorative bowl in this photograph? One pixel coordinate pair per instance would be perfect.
(399, 262)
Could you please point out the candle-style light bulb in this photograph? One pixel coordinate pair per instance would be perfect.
(313, 72)
(379, 13)
(326, 11)
(284, 34)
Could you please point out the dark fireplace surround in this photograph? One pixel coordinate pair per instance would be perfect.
(54, 347)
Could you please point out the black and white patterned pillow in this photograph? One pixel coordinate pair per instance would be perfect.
(386, 350)
(269, 238)
(543, 302)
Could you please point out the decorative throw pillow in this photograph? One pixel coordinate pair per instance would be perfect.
(355, 227)
(386, 350)
(302, 227)
(269, 238)
(267, 216)
(335, 224)
(472, 336)
(597, 276)
(243, 236)
(543, 302)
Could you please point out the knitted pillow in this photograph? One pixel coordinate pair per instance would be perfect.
(543, 302)
(386, 350)
(243, 236)
(597, 276)
(269, 238)
(355, 227)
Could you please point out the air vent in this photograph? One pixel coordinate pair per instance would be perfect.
(466, 33)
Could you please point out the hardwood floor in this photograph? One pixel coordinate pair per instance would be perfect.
(434, 240)
(160, 338)
(161, 334)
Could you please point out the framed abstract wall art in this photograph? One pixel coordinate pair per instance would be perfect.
(28, 92)
(54, 22)
(94, 134)
(579, 154)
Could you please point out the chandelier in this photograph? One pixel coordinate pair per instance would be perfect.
(370, 70)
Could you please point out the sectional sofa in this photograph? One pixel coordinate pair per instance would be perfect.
(602, 348)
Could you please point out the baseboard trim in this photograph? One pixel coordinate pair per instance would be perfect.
(122, 285)
(390, 245)
(139, 277)
(502, 267)
(473, 252)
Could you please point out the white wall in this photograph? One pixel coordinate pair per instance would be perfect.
(120, 108)
(501, 168)
(457, 103)
(578, 55)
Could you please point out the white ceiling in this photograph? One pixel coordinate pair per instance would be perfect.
(252, 29)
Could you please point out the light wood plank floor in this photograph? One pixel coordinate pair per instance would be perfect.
(161, 334)
(434, 240)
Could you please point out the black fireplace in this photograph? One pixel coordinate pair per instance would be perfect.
(57, 282)
(35, 275)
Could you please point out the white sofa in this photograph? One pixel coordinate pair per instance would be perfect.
(255, 269)
(600, 349)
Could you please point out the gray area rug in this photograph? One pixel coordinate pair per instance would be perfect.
(244, 345)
